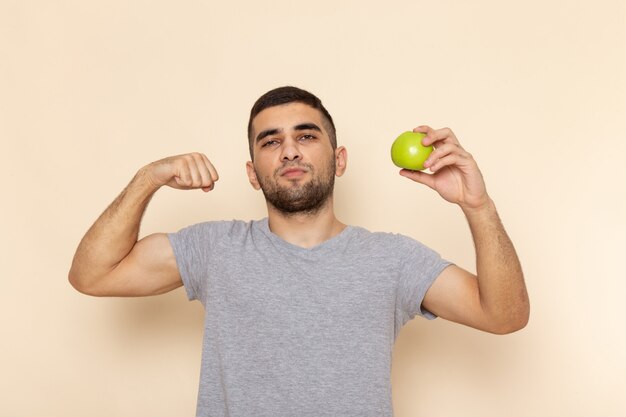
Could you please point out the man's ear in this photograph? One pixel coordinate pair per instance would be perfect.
(252, 176)
(341, 160)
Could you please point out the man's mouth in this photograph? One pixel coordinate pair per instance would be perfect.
(291, 172)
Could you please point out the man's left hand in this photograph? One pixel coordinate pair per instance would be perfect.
(455, 174)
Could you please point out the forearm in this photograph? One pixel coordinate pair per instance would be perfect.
(502, 290)
(113, 235)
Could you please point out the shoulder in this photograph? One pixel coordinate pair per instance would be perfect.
(214, 231)
(391, 245)
(218, 226)
(385, 239)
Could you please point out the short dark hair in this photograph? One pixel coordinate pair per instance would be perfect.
(286, 95)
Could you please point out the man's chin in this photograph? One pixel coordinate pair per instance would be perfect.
(298, 208)
(293, 182)
(296, 200)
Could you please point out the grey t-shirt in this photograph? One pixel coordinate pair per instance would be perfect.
(300, 332)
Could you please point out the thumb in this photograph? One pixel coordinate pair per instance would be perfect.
(419, 176)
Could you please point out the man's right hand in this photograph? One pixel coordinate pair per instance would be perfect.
(184, 172)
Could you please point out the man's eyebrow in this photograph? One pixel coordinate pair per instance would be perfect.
(266, 133)
(301, 126)
(308, 126)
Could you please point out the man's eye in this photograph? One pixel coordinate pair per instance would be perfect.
(307, 137)
(269, 143)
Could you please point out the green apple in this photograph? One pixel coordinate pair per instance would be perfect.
(408, 152)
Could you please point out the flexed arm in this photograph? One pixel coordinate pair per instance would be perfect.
(110, 261)
(495, 299)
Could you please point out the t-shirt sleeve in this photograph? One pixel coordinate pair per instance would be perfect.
(191, 247)
(419, 266)
(186, 247)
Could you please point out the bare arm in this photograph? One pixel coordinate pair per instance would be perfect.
(495, 299)
(110, 261)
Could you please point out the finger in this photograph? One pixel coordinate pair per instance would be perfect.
(429, 132)
(422, 129)
(442, 151)
(420, 177)
(448, 160)
(194, 172)
(206, 182)
(440, 135)
(210, 167)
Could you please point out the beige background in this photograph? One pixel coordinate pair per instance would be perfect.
(91, 91)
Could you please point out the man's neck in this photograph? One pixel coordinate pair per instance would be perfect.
(307, 229)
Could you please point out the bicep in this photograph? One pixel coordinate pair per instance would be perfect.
(455, 296)
(149, 269)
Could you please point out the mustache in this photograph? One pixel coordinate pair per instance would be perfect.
(291, 164)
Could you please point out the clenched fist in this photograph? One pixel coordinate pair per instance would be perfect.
(184, 172)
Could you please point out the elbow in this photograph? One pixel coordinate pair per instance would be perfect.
(510, 327)
(80, 284)
(76, 283)
(513, 323)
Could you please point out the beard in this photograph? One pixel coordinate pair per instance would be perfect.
(307, 198)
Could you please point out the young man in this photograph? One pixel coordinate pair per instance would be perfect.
(302, 310)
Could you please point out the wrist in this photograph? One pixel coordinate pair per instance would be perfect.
(486, 207)
(143, 181)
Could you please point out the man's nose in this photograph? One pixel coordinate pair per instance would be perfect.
(290, 151)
